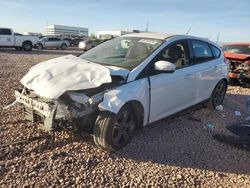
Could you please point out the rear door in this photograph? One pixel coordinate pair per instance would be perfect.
(57, 42)
(51, 43)
(172, 92)
(206, 65)
(6, 37)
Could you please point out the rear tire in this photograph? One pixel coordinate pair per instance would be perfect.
(27, 46)
(217, 95)
(63, 46)
(114, 131)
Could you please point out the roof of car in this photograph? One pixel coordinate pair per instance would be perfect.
(150, 35)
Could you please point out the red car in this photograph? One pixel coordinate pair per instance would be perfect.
(238, 55)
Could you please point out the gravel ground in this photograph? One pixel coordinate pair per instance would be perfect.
(174, 152)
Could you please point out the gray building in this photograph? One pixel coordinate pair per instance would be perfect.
(66, 31)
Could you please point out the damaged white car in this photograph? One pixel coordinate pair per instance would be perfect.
(124, 84)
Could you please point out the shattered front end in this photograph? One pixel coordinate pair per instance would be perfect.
(239, 70)
(71, 111)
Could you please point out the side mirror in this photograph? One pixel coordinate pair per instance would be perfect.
(165, 66)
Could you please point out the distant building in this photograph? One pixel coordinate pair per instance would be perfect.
(33, 34)
(66, 31)
(115, 33)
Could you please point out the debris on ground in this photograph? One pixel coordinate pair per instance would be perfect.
(193, 119)
(237, 113)
(210, 126)
(241, 137)
(219, 108)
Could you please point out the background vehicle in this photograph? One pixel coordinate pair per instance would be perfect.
(75, 42)
(238, 55)
(8, 39)
(88, 44)
(52, 42)
(124, 84)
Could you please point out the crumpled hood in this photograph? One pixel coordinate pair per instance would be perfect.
(52, 78)
(231, 55)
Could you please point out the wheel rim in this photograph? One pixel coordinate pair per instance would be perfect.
(219, 94)
(27, 46)
(123, 129)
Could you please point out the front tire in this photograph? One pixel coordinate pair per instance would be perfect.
(218, 94)
(114, 131)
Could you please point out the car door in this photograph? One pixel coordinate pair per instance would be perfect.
(50, 43)
(6, 37)
(172, 92)
(204, 69)
(57, 42)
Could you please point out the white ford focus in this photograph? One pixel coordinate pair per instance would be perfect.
(124, 84)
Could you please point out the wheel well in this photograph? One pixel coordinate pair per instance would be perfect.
(64, 44)
(138, 110)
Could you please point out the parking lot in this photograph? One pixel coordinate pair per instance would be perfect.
(179, 151)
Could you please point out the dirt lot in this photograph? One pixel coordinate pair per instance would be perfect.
(175, 152)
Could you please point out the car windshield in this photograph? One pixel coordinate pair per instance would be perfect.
(125, 52)
(238, 49)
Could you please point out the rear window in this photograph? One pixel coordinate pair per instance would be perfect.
(216, 51)
(201, 51)
(5, 32)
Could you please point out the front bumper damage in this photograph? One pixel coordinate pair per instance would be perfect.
(66, 112)
(239, 71)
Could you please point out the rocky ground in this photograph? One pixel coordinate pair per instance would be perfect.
(176, 152)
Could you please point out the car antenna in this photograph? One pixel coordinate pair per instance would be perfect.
(218, 35)
(147, 26)
(188, 30)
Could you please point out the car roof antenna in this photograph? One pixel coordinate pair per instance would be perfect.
(188, 30)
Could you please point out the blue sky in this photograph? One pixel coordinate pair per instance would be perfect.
(231, 18)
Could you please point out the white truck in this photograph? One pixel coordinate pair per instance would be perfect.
(8, 39)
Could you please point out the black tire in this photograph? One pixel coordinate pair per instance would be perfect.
(27, 46)
(217, 95)
(114, 131)
(19, 48)
(63, 46)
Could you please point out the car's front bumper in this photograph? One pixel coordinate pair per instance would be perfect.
(36, 110)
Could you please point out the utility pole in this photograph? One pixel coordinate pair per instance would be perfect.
(147, 26)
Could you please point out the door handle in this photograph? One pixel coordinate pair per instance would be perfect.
(188, 76)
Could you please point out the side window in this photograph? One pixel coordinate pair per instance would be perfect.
(5, 32)
(201, 51)
(176, 53)
(50, 39)
(216, 51)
